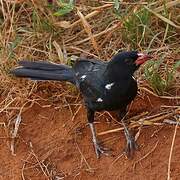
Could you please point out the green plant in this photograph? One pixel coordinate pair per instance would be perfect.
(136, 27)
(12, 46)
(160, 82)
(65, 8)
(40, 23)
(117, 4)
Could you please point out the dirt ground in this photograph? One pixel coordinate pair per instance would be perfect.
(52, 143)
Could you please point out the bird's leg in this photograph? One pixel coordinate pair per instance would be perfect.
(131, 144)
(98, 148)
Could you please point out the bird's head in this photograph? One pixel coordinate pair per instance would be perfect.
(130, 60)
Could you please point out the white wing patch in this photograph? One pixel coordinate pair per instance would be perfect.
(99, 100)
(134, 78)
(83, 77)
(108, 86)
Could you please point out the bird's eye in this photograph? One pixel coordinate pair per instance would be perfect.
(129, 61)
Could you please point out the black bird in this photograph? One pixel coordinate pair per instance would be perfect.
(104, 85)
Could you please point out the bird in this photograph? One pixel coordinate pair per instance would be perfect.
(104, 85)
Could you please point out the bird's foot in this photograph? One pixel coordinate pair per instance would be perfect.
(99, 149)
(131, 147)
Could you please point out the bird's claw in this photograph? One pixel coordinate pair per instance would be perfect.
(131, 147)
(99, 149)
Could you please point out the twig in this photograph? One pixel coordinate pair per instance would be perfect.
(146, 155)
(83, 157)
(101, 33)
(117, 159)
(82, 50)
(162, 18)
(100, 8)
(59, 52)
(24, 165)
(92, 14)
(14, 133)
(144, 121)
(163, 97)
(16, 128)
(76, 112)
(127, 3)
(7, 105)
(40, 163)
(170, 154)
(167, 5)
(88, 30)
(166, 106)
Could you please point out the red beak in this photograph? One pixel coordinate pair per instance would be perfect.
(142, 58)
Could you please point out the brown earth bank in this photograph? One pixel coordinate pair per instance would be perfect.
(52, 143)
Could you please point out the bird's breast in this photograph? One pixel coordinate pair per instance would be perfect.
(118, 95)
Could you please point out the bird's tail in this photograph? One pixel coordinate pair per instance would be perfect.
(44, 71)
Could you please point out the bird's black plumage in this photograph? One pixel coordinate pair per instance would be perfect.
(93, 78)
(104, 85)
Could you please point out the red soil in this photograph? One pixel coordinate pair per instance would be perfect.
(50, 137)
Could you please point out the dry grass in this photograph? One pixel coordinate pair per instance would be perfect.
(30, 31)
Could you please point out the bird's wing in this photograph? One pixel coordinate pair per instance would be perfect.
(89, 75)
(94, 61)
(84, 65)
